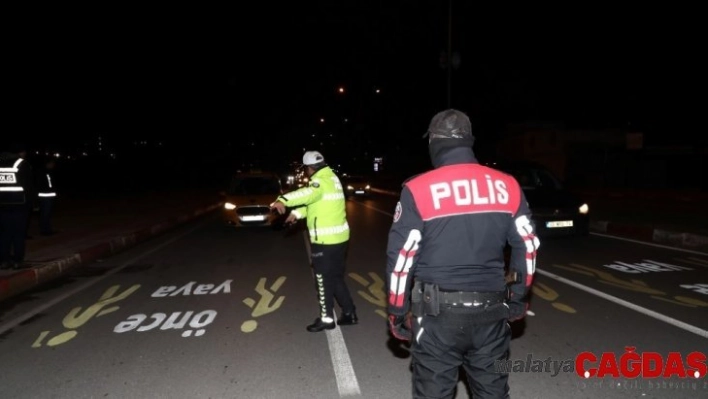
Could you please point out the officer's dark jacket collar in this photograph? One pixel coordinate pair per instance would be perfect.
(453, 156)
(449, 156)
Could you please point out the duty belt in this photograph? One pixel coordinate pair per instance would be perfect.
(428, 299)
(473, 298)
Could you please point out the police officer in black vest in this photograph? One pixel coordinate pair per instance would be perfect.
(46, 193)
(446, 269)
(16, 192)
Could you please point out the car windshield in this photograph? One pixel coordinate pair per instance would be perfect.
(254, 186)
(531, 178)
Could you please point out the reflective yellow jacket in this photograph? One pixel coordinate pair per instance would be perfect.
(324, 207)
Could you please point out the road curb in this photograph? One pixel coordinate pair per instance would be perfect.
(43, 272)
(648, 233)
(682, 239)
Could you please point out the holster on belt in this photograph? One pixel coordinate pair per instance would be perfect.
(425, 299)
(511, 278)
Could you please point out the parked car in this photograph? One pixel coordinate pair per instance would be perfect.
(248, 197)
(555, 211)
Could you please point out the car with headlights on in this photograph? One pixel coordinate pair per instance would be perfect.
(248, 197)
(555, 210)
(356, 186)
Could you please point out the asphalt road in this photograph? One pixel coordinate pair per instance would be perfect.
(214, 312)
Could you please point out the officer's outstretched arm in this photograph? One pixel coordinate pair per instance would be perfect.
(524, 244)
(302, 196)
(403, 243)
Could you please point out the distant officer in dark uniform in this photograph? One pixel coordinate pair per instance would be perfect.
(446, 265)
(21, 150)
(16, 192)
(46, 194)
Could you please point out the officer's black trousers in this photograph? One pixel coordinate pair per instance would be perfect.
(46, 206)
(13, 233)
(454, 338)
(328, 262)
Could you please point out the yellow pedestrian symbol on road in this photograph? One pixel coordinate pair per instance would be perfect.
(545, 292)
(263, 305)
(77, 318)
(374, 293)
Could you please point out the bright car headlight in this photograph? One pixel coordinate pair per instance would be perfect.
(584, 208)
(229, 206)
(368, 187)
(350, 188)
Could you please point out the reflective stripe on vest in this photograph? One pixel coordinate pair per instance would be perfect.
(9, 176)
(300, 194)
(330, 231)
(333, 196)
(48, 193)
(11, 192)
(14, 168)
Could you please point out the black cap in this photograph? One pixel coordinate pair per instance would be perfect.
(451, 124)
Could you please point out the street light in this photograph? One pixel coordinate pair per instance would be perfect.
(341, 89)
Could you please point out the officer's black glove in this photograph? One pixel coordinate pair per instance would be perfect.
(517, 310)
(400, 327)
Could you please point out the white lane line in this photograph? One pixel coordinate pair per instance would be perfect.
(347, 383)
(343, 369)
(666, 319)
(677, 323)
(15, 322)
(651, 244)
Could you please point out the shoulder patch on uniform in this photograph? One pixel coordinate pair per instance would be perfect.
(398, 212)
(409, 179)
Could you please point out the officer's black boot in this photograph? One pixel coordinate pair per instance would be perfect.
(348, 319)
(320, 325)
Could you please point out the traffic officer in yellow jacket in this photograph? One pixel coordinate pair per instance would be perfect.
(322, 202)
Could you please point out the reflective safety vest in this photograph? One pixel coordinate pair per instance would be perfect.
(47, 190)
(11, 192)
(324, 207)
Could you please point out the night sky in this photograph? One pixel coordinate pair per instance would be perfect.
(266, 74)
